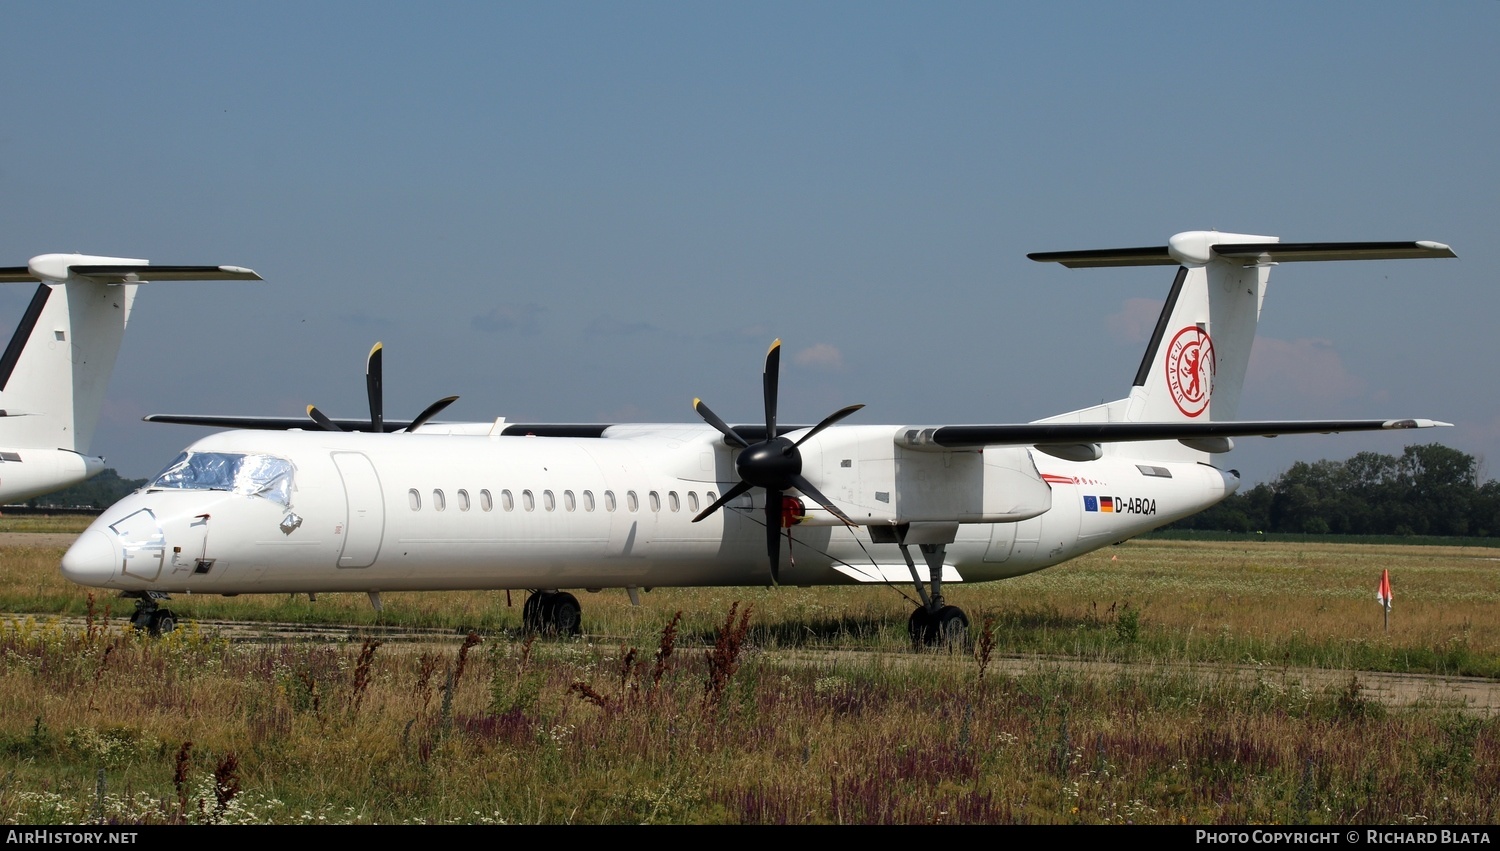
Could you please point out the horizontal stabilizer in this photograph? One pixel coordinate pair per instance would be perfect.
(134, 274)
(1099, 257)
(1194, 249)
(167, 273)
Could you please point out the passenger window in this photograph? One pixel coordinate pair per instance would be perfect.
(588, 500)
(507, 501)
(655, 501)
(631, 502)
(463, 500)
(693, 501)
(549, 502)
(673, 502)
(609, 500)
(438, 502)
(414, 499)
(528, 501)
(710, 497)
(568, 502)
(485, 502)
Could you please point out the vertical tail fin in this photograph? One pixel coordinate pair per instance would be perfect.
(1194, 366)
(54, 372)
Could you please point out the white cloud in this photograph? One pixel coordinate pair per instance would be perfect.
(1135, 320)
(1308, 368)
(821, 356)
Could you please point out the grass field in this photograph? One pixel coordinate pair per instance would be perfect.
(773, 705)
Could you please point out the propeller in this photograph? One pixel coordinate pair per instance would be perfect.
(774, 464)
(373, 388)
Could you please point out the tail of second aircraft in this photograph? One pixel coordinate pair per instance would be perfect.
(1194, 366)
(54, 372)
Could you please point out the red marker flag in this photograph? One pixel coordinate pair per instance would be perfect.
(1384, 594)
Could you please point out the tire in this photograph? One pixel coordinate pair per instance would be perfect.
(951, 627)
(920, 627)
(163, 621)
(565, 614)
(532, 617)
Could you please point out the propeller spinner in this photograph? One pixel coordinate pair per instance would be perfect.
(774, 464)
(373, 387)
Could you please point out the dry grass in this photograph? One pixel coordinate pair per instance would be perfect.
(702, 719)
(1299, 603)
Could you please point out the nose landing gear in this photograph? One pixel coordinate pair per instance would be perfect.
(150, 616)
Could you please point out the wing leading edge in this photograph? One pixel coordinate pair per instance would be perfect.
(1041, 434)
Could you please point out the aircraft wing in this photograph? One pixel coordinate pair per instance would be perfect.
(266, 423)
(1044, 434)
(307, 424)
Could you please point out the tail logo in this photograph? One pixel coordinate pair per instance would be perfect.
(1190, 370)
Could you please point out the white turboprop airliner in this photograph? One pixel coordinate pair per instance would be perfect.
(548, 507)
(54, 372)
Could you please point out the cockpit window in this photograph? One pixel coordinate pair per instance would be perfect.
(256, 475)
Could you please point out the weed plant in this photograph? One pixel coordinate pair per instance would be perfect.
(103, 725)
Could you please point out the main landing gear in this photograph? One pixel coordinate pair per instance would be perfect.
(150, 616)
(934, 623)
(552, 613)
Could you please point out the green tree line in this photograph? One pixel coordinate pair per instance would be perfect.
(101, 491)
(1429, 489)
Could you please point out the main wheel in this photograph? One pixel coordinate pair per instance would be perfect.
(951, 627)
(532, 618)
(565, 615)
(162, 622)
(920, 627)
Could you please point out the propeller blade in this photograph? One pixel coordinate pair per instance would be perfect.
(373, 371)
(322, 419)
(774, 463)
(773, 533)
(729, 496)
(713, 419)
(772, 377)
(806, 487)
(432, 410)
(828, 421)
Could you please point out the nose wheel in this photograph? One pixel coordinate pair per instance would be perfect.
(151, 617)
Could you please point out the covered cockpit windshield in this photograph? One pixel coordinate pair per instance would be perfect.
(255, 475)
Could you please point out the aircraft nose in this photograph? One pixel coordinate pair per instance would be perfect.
(92, 560)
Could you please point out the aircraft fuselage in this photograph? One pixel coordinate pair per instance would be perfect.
(279, 512)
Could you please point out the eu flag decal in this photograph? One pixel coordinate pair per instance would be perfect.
(1091, 503)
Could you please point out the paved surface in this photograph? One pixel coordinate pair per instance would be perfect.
(61, 540)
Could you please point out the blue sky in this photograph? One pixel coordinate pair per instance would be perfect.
(598, 211)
